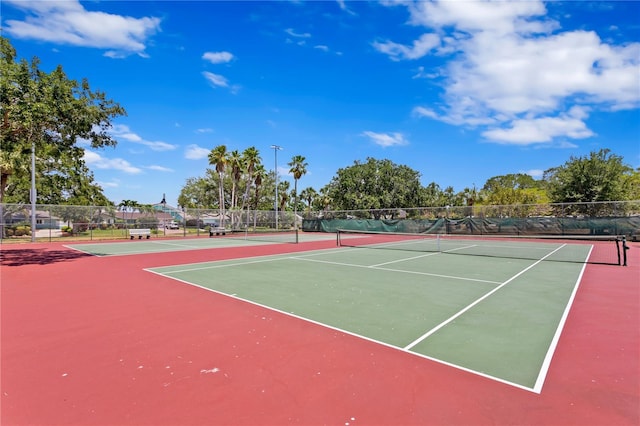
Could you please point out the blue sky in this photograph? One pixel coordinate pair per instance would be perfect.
(459, 91)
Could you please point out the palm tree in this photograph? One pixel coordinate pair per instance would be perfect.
(259, 173)
(298, 169)
(283, 191)
(127, 205)
(251, 158)
(308, 194)
(236, 162)
(218, 157)
(325, 198)
(150, 213)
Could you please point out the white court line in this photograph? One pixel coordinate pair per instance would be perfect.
(544, 369)
(423, 255)
(171, 244)
(219, 265)
(404, 260)
(394, 270)
(350, 333)
(471, 305)
(83, 251)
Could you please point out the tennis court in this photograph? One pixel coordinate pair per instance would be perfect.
(181, 244)
(499, 318)
(378, 330)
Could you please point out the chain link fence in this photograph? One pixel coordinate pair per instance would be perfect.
(61, 222)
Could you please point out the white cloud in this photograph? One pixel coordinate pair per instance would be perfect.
(204, 130)
(420, 47)
(421, 73)
(539, 130)
(122, 131)
(420, 111)
(292, 33)
(112, 184)
(386, 139)
(514, 73)
(159, 146)
(159, 168)
(68, 22)
(194, 152)
(217, 80)
(283, 171)
(93, 159)
(218, 57)
(496, 17)
(343, 5)
(535, 173)
(321, 47)
(455, 116)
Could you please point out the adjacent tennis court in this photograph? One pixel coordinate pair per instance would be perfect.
(181, 244)
(499, 318)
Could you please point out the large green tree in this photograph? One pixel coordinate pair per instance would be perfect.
(49, 113)
(518, 188)
(375, 184)
(599, 176)
(200, 192)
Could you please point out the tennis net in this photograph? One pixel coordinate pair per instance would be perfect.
(609, 250)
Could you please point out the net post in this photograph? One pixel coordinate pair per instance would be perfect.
(625, 247)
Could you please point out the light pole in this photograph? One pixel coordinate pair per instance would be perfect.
(276, 148)
(164, 220)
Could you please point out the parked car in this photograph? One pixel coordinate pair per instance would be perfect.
(172, 225)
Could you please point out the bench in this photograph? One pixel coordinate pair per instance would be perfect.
(218, 230)
(140, 233)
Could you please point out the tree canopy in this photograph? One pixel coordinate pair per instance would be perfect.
(600, 176)
(517, 188)
(375, 184)
(381, 184)
(50, 113)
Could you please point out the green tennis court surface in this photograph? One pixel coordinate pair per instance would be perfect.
(497, 317)
(129, 247)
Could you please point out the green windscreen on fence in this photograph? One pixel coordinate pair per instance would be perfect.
(482, 226)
